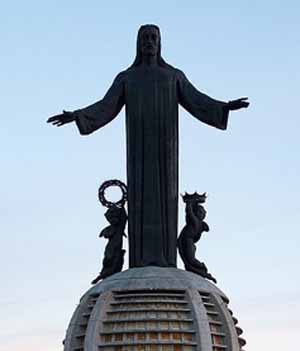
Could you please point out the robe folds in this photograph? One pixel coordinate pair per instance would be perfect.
(151, 96)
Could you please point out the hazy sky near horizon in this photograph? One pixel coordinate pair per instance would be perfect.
(64, 55)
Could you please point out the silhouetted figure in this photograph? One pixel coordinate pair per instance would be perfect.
(114, 254)
(191, 234)
(151, 91)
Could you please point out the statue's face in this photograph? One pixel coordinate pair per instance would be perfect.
(150, 41)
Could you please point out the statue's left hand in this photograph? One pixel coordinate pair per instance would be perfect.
(238, 104)
(60, 120)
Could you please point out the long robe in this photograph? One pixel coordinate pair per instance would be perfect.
(151, 96)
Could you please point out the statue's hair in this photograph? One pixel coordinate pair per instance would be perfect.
(138, 59)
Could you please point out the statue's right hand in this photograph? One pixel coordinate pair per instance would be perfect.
(60, 120)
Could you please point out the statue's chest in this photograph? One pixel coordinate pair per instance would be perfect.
(149, 81)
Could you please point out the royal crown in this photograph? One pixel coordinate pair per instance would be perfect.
(200, 198)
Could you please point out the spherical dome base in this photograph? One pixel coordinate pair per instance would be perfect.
(153, 309)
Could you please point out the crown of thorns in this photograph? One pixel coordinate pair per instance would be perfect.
(108, 184)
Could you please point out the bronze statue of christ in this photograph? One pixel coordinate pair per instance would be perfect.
(151, 91)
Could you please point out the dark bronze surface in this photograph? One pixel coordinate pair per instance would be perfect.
(114, 254)
(191, 234)
(151, 90)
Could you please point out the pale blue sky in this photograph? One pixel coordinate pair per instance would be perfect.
(64, 55)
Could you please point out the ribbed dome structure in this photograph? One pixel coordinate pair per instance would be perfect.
(154, 309)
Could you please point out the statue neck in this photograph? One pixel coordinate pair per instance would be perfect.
(148, 60)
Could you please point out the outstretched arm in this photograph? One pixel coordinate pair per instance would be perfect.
(203, 107)
(97, 115)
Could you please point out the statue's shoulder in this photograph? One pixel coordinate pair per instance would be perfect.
(169, 70)
(121, 77)
(179, 74)
(169, 73)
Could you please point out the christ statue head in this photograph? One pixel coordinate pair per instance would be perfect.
(149, 40)
(149, 45)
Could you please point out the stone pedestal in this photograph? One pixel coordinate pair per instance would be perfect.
(154, 309)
